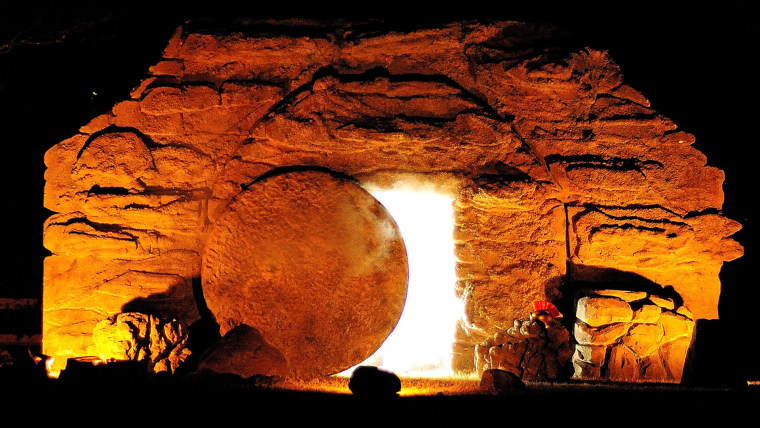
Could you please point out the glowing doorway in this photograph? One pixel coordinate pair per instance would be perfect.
(420, 345)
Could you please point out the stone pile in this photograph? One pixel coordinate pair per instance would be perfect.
(630, 336)
(132, 336)
(530, 349)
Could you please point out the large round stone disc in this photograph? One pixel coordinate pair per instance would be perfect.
(315, 263)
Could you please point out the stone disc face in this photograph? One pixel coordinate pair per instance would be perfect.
(315, 263)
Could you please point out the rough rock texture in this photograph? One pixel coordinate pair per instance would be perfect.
(134, 336)
(497, 382)
(313, 262)
(244, 352)
(599, 311)
(554, 161)
(530, 349)
(648, 345)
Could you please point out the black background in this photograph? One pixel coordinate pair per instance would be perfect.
(62, 63)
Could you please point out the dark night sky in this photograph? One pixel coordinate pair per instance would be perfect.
(695, 64)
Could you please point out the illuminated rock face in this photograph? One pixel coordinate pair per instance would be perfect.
(138, 337)
(630, 336)
(553, 161)
(530, 349)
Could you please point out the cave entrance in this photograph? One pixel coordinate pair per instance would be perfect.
(421, 343)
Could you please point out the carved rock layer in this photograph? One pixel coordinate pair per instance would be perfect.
(242, 351)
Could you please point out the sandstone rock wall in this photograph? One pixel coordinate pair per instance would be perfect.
(551, 156)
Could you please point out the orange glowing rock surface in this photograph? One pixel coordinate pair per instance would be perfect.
(616, 343)
(553, 159)
(314, 263)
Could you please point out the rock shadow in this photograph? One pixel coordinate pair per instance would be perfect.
(184, 302)
(597, 278)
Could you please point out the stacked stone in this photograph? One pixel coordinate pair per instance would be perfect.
(630, 336)
(529, 349)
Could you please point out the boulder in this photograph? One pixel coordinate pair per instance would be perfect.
(598, 311)
(604, 335)
(647, 314)
(623, 365)
(585, 370)
(372, 382)
(643, 339)
(624, 295)
(675, 325)
(244, 352)
(499, 382)
(314, 263)
(594, 355)
(663, 302)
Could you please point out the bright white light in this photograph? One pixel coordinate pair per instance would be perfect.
(421, 343)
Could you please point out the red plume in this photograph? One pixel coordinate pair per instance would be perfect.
(543, 305)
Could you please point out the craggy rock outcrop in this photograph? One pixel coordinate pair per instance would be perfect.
(554, 161)
(497, 382)
(530, 349)
(627, 336)
(134, 336)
